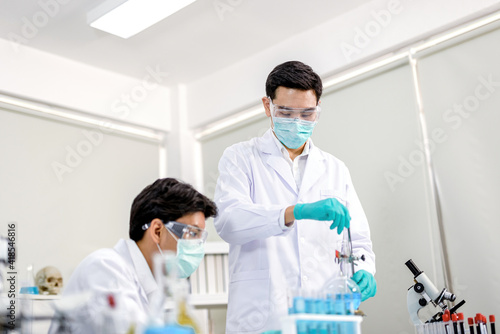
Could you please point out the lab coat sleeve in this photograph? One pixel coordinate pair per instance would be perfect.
(240, 220)
(100, 277)
(360, 230)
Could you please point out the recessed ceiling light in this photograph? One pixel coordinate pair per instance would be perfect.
(125, 19)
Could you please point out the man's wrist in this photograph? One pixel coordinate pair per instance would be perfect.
(289, 216)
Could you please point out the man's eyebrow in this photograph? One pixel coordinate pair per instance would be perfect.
(292, 109)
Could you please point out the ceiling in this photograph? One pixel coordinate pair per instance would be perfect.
(203, 38)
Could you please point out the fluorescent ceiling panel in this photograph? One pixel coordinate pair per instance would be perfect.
(133, 16)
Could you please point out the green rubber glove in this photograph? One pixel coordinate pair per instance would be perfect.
(366, 283)
(326, 209)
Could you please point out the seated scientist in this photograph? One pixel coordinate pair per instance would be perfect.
(162, 218)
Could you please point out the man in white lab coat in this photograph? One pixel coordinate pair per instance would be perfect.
(168, 215)
(283, 204)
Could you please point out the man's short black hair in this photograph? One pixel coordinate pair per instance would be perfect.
(293, 74)
(167, 199)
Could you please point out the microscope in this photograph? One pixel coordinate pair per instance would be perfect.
(424, 293)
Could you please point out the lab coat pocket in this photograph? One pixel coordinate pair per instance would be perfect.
(249, 305)
(332, 193)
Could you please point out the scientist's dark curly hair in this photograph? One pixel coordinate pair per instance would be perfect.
(293, 74)
(167, 199)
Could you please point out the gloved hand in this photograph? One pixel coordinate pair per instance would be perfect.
(366, 283)
(326, 209)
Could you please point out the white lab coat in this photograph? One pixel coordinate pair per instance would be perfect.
(254, 187)
(122, 271)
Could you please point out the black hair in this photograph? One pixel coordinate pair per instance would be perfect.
(293, 74)
(167, 199)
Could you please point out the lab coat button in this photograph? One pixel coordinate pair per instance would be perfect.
(305, 278)
(302, 240)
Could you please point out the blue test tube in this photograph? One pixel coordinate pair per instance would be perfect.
(302, 327)
(312, 327)
(321, 306)
(323, 327)
(310, 304)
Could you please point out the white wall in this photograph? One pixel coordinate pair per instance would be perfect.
(242, 84)
(37, 75)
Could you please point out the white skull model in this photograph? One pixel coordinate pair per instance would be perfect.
(49, 281)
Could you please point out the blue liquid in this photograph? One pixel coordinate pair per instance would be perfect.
(310, 305)
(323, 327)
(170, 329)
(29, 290)
(312, 327)
(302, 327)
(356, 299)
(320, 305)
(299, 305)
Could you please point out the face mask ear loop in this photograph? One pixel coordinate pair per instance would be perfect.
(159, 249)
(173, 235)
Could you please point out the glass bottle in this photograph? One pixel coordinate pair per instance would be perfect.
(342, 294)
(170, 312)
(184, 312)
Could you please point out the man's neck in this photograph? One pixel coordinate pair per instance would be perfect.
(293, 153)
(146, 252)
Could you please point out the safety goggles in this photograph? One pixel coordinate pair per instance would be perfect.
(183, 231)
(305, 114)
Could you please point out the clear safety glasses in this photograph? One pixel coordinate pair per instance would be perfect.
(183, 231)
(304, 114)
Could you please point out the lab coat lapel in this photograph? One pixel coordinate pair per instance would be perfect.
(273, 157)
(315, 168)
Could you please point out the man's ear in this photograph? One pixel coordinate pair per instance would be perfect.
(155, 230)
(267, 108)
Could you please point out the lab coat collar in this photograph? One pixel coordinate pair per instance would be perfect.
(274, 158)
(141, 267)
(283, 149)
(315, 166)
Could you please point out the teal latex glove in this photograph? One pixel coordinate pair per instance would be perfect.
(366, 283)
(326, 209)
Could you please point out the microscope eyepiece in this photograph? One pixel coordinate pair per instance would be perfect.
(413, 268)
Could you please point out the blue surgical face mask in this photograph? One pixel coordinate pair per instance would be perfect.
(190, 253)
(293, 133)
(189, 256)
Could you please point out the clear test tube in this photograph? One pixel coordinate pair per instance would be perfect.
(290, 294)
(431, 328)
(438, 328)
